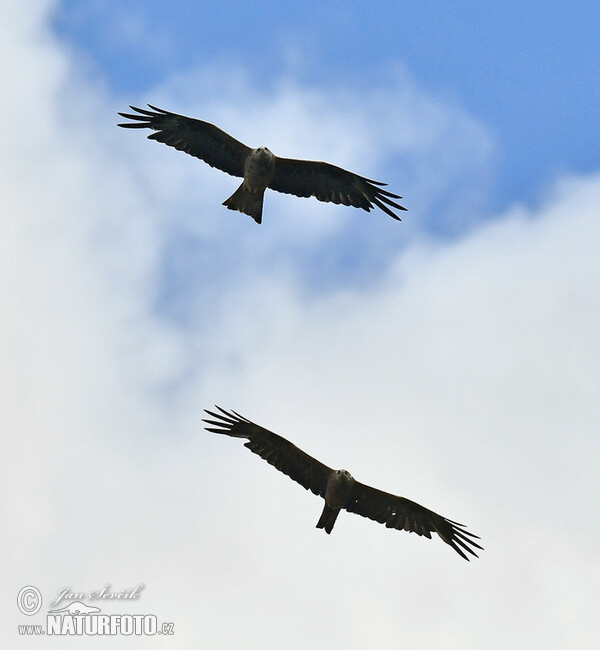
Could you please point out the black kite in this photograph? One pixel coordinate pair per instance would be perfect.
(339, 489)
(259, 168)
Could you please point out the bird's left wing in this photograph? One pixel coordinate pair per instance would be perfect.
(403, 514)
(331, 184)
(277, 451)
(200, 139)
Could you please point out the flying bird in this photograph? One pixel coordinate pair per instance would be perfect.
(260, 168)
(339, 489)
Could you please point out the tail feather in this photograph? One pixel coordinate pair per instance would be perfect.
(250, 203)
(328, 517)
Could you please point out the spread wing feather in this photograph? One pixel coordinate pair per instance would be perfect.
(197, 138)
(329, 183)
(277, 451)
(403, 514)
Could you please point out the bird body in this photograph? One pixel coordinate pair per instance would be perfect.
(338, 493)
(338, 488)
(260, 168)
(258, 173)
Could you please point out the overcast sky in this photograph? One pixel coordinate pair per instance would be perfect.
(452, 358)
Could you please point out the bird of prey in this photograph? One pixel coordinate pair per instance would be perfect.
(259, 168)
(339, 489)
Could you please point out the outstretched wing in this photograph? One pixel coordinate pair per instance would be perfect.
(402, 514)
(277, 451)
(330, 183)
(198, 138)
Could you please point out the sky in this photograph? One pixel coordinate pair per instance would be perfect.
(452, 358)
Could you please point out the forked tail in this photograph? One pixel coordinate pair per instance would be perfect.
(328, 517)
(248, 202)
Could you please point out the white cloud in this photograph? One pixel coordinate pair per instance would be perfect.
(465, 378)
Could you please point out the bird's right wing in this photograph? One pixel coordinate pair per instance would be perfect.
(200, 139)
(277, 451)
(403, 514)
